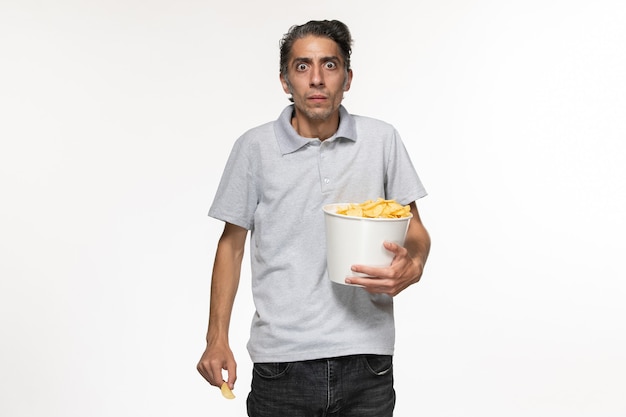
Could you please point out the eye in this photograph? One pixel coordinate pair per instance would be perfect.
(330, 65)
(301, 67)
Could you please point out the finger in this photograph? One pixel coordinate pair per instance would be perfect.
(232, 376)
(396, 249)
(226, 391)
(391, 246)
(372, 272)
(206, 372)
(369, 284)
(216, 374)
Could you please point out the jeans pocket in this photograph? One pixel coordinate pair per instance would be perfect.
(271, 370)
(378, 365)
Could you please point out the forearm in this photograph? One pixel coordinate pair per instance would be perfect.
(417, 240)
(225, 282)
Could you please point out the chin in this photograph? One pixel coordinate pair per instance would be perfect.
(319, 114)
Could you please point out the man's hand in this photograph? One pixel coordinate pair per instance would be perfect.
(406, 267)
(213, 361)
(404, 271)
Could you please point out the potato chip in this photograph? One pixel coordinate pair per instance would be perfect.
(354, 211)
(226, 392)
(376, 209)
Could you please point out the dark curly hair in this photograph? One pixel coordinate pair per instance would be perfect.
(332, 29)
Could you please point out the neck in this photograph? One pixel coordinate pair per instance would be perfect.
(314, 128)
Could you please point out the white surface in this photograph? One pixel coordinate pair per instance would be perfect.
(116, 119)
(359, 240)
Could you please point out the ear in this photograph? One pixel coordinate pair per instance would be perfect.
(285, 84)
(348, 82)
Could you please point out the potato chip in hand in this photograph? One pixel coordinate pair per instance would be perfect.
(226, 392)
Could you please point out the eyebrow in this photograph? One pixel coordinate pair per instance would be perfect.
(323, 59)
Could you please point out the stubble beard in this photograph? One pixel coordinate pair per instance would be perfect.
(318, 114)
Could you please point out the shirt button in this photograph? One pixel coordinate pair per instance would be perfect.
(326, 180)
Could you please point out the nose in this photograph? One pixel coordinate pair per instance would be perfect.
(317, 77)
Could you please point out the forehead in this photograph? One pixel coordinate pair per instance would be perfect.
(311, 47)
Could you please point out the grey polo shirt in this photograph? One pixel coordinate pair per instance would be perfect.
(275, 184)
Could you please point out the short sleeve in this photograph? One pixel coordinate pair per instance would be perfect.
(236, 197)
(402, 181)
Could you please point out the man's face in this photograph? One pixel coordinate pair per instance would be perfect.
(316, 77)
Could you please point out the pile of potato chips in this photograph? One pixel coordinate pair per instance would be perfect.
(381, 208)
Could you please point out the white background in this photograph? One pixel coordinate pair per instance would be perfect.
(116, 118)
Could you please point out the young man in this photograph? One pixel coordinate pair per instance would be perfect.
(317, 346)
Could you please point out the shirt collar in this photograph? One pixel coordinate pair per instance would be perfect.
(289, 141)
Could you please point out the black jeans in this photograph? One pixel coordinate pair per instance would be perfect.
(348, 386)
